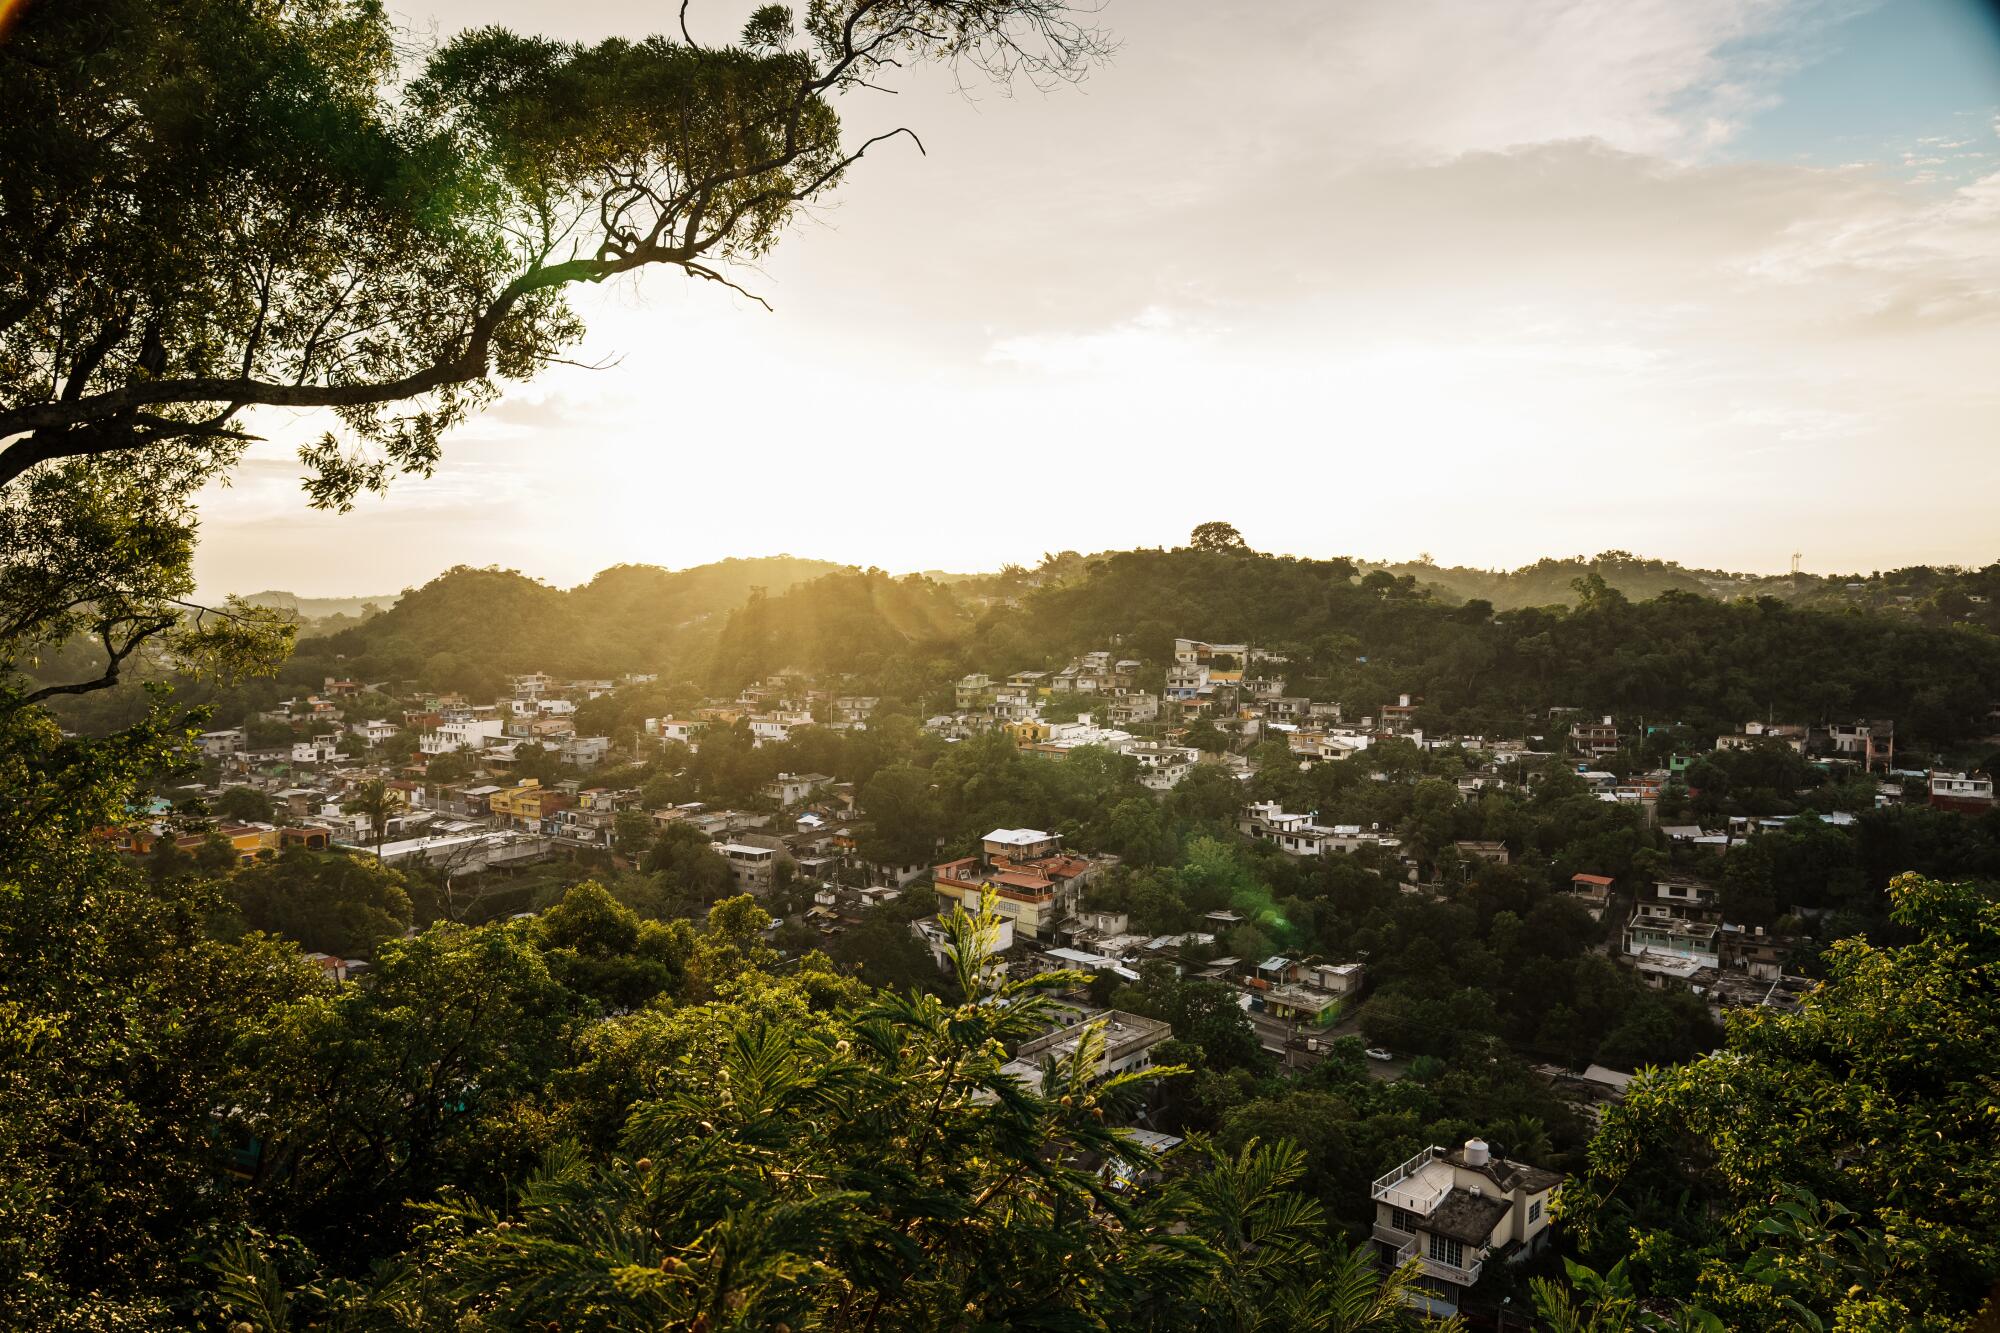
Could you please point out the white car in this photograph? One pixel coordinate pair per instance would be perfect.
(1377, 1053)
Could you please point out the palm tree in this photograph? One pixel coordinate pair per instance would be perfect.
(377, 800)
(1270, 1263)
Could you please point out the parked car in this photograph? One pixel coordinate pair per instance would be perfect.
(1377, 1053)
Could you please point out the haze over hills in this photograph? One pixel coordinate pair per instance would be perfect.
(1611, 632)
(1546, 582)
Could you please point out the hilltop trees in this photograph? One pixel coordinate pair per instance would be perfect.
(1217, 537)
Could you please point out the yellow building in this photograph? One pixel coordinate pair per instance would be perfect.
(527, 803)
(1026, 733)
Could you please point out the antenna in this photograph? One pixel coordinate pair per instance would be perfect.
(1796, 557)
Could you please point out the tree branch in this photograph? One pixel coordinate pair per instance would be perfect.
(115, 655)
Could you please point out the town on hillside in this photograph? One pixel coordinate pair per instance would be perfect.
(498, 803)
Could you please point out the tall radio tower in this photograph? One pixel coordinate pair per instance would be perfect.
(1796, 557)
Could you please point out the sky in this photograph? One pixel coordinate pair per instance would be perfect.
(1710, 280)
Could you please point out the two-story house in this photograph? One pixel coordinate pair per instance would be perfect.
(1452, 1211)
(1035, 884)
(1965, 793)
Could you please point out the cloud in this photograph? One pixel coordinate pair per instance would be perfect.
(1156, 340)
(1495, 250)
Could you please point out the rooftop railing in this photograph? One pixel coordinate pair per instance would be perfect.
(1398, 1190)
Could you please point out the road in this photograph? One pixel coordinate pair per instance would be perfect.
(1288, 1042)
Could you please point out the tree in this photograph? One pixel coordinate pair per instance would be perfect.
(373, 1094)
(377, 802)
(1863, 1099)
(904, 819)
(1216, 537)
(244, 803)
(632, 832)
(282, 220)
(331, 902)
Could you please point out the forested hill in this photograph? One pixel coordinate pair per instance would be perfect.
(1920, 591)
(468, 626)
(1679, 655)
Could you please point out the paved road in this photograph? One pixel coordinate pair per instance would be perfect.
(1282, 1039)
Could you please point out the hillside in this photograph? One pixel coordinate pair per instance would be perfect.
(316, 611)
(469, 626)
(894, 630)
(1923, 591)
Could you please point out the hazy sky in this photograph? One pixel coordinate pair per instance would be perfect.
(1706, 280)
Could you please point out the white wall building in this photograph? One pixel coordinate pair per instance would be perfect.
(1451, 1211)
(469, 734)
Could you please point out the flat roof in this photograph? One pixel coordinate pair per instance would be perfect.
(1017, 837)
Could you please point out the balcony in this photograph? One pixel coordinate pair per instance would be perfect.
(1409, 1189)
(1437, 1268)
(1393, 1238)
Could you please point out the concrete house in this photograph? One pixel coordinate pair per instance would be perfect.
(1452, 1211)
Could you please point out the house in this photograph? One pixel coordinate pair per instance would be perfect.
(1194, 652)
(321, 749)
(216, 744)
(1668, 948)
(1754, 734)
(1341, 980)
(790, 789)
(1593, 740)
(938, 940)
(1161, 765)
(374, 732)
(1451, 1211)
(1592, 893)
(755, 867)
(1493, 853)
(1298, 835)
(1399, 718)
(664, 729)
(776, 728)
(1313, 993)
(533, 685)
(527, 804)
(1013, 703)
(1870, 742)
(1034, 883)
(584, 751)
(461, 734)
(1129, 709)
(1104, 923)
(972, 691)
(1128, 1044)
(1966, 793)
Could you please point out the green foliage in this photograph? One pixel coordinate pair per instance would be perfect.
(327, 901)
(1867, 1099)
(244, 803)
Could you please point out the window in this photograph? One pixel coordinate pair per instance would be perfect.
(1448, 1251)
(1402, 1220)
(1535, 1211)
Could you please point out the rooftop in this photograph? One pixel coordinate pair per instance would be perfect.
(1018, 837)
(1468, 1217)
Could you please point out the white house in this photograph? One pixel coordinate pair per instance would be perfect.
(1451, 1211)
(468, 734)
(321, 749)
(1129, 1040)
(584, 751)
(665, 729)
(215, 744)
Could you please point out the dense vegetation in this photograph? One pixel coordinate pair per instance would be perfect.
(641, 1104)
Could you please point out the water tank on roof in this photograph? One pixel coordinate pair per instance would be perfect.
(1476, 1153)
